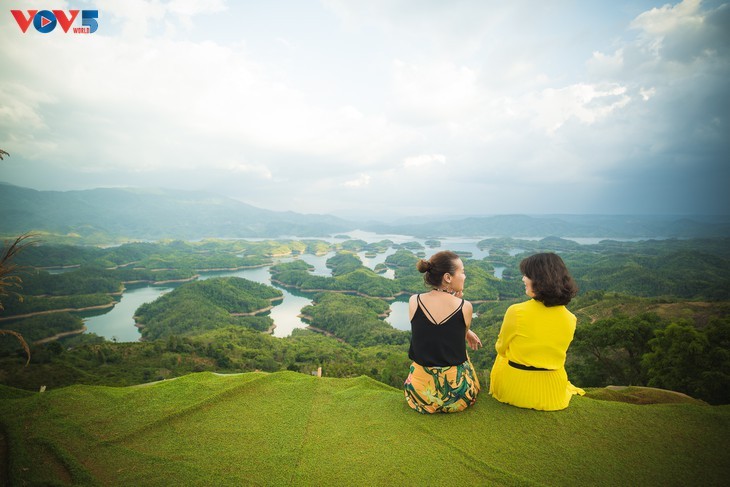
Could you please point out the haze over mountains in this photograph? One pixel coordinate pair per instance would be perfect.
(156, 214)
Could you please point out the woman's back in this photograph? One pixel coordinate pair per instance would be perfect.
(536, 334)
(437, 342)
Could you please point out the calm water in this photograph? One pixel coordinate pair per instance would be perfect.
(398, 317)
(118, 323)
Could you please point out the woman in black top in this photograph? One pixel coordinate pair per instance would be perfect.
(441, 378)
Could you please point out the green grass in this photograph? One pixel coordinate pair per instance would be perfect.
(287, 428)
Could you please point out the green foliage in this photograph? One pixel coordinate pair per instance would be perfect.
(34, 304)
(696, 362)
(39, 327)
(354, 319)
(204, 305)
(610, 351)
(316, 247)
(379, 247)
(343, 263)
(410, 246)
(369, 283)
(45, 255)
(85, 280)
(684, 274)
(402, 259)
(153, 276)
(352, 245)
(481, 285)
(646, 350)
(350, 276)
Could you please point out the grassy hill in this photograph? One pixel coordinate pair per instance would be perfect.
(287, 428)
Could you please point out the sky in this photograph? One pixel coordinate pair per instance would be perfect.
(378, 109)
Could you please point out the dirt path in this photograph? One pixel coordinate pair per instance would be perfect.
(51, 311)
(60, 335)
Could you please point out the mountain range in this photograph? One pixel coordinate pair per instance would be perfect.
(131, 213)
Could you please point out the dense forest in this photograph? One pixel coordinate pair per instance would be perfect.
(649, 313)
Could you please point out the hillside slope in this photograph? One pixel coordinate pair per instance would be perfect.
(287, 428)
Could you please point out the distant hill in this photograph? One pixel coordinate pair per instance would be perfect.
(126, 213)
(287, 428)
(602, 226)
(151, 214)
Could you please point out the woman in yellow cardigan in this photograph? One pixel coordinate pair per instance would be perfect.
(529, 371)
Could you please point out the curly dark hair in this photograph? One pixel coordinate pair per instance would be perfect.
(440, 263)
(551, 281)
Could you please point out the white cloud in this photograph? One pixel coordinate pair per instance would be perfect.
(606, 65)
(551, 108)
(424, 160)
(647, 93)
(668, 18)
(362, 181)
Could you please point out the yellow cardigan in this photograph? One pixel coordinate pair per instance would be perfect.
(537, 335)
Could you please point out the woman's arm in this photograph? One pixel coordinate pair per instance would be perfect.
(471, 338)
(412, 305)
(507, 332)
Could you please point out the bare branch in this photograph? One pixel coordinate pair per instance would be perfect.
(8, 270)
(8, 277)
(21, 340)
(3, 153)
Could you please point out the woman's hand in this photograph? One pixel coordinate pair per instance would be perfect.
(473, 340)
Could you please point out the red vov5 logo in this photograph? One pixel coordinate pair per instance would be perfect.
(45, 21)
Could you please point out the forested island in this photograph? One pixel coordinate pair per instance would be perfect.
(651, 313)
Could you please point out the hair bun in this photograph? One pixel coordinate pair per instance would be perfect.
(424, 265)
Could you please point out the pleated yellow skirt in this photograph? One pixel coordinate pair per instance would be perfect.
(542, 390)
(441, 389)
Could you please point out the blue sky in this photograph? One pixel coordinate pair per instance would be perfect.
(381, 108)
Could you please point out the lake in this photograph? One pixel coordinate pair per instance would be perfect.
(118, 323)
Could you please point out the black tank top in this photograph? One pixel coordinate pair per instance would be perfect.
(437, 345)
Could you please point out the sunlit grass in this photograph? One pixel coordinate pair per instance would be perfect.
(287, 428)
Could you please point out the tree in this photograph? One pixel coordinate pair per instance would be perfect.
(693, 361)
(610, 351)
(676, 359)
